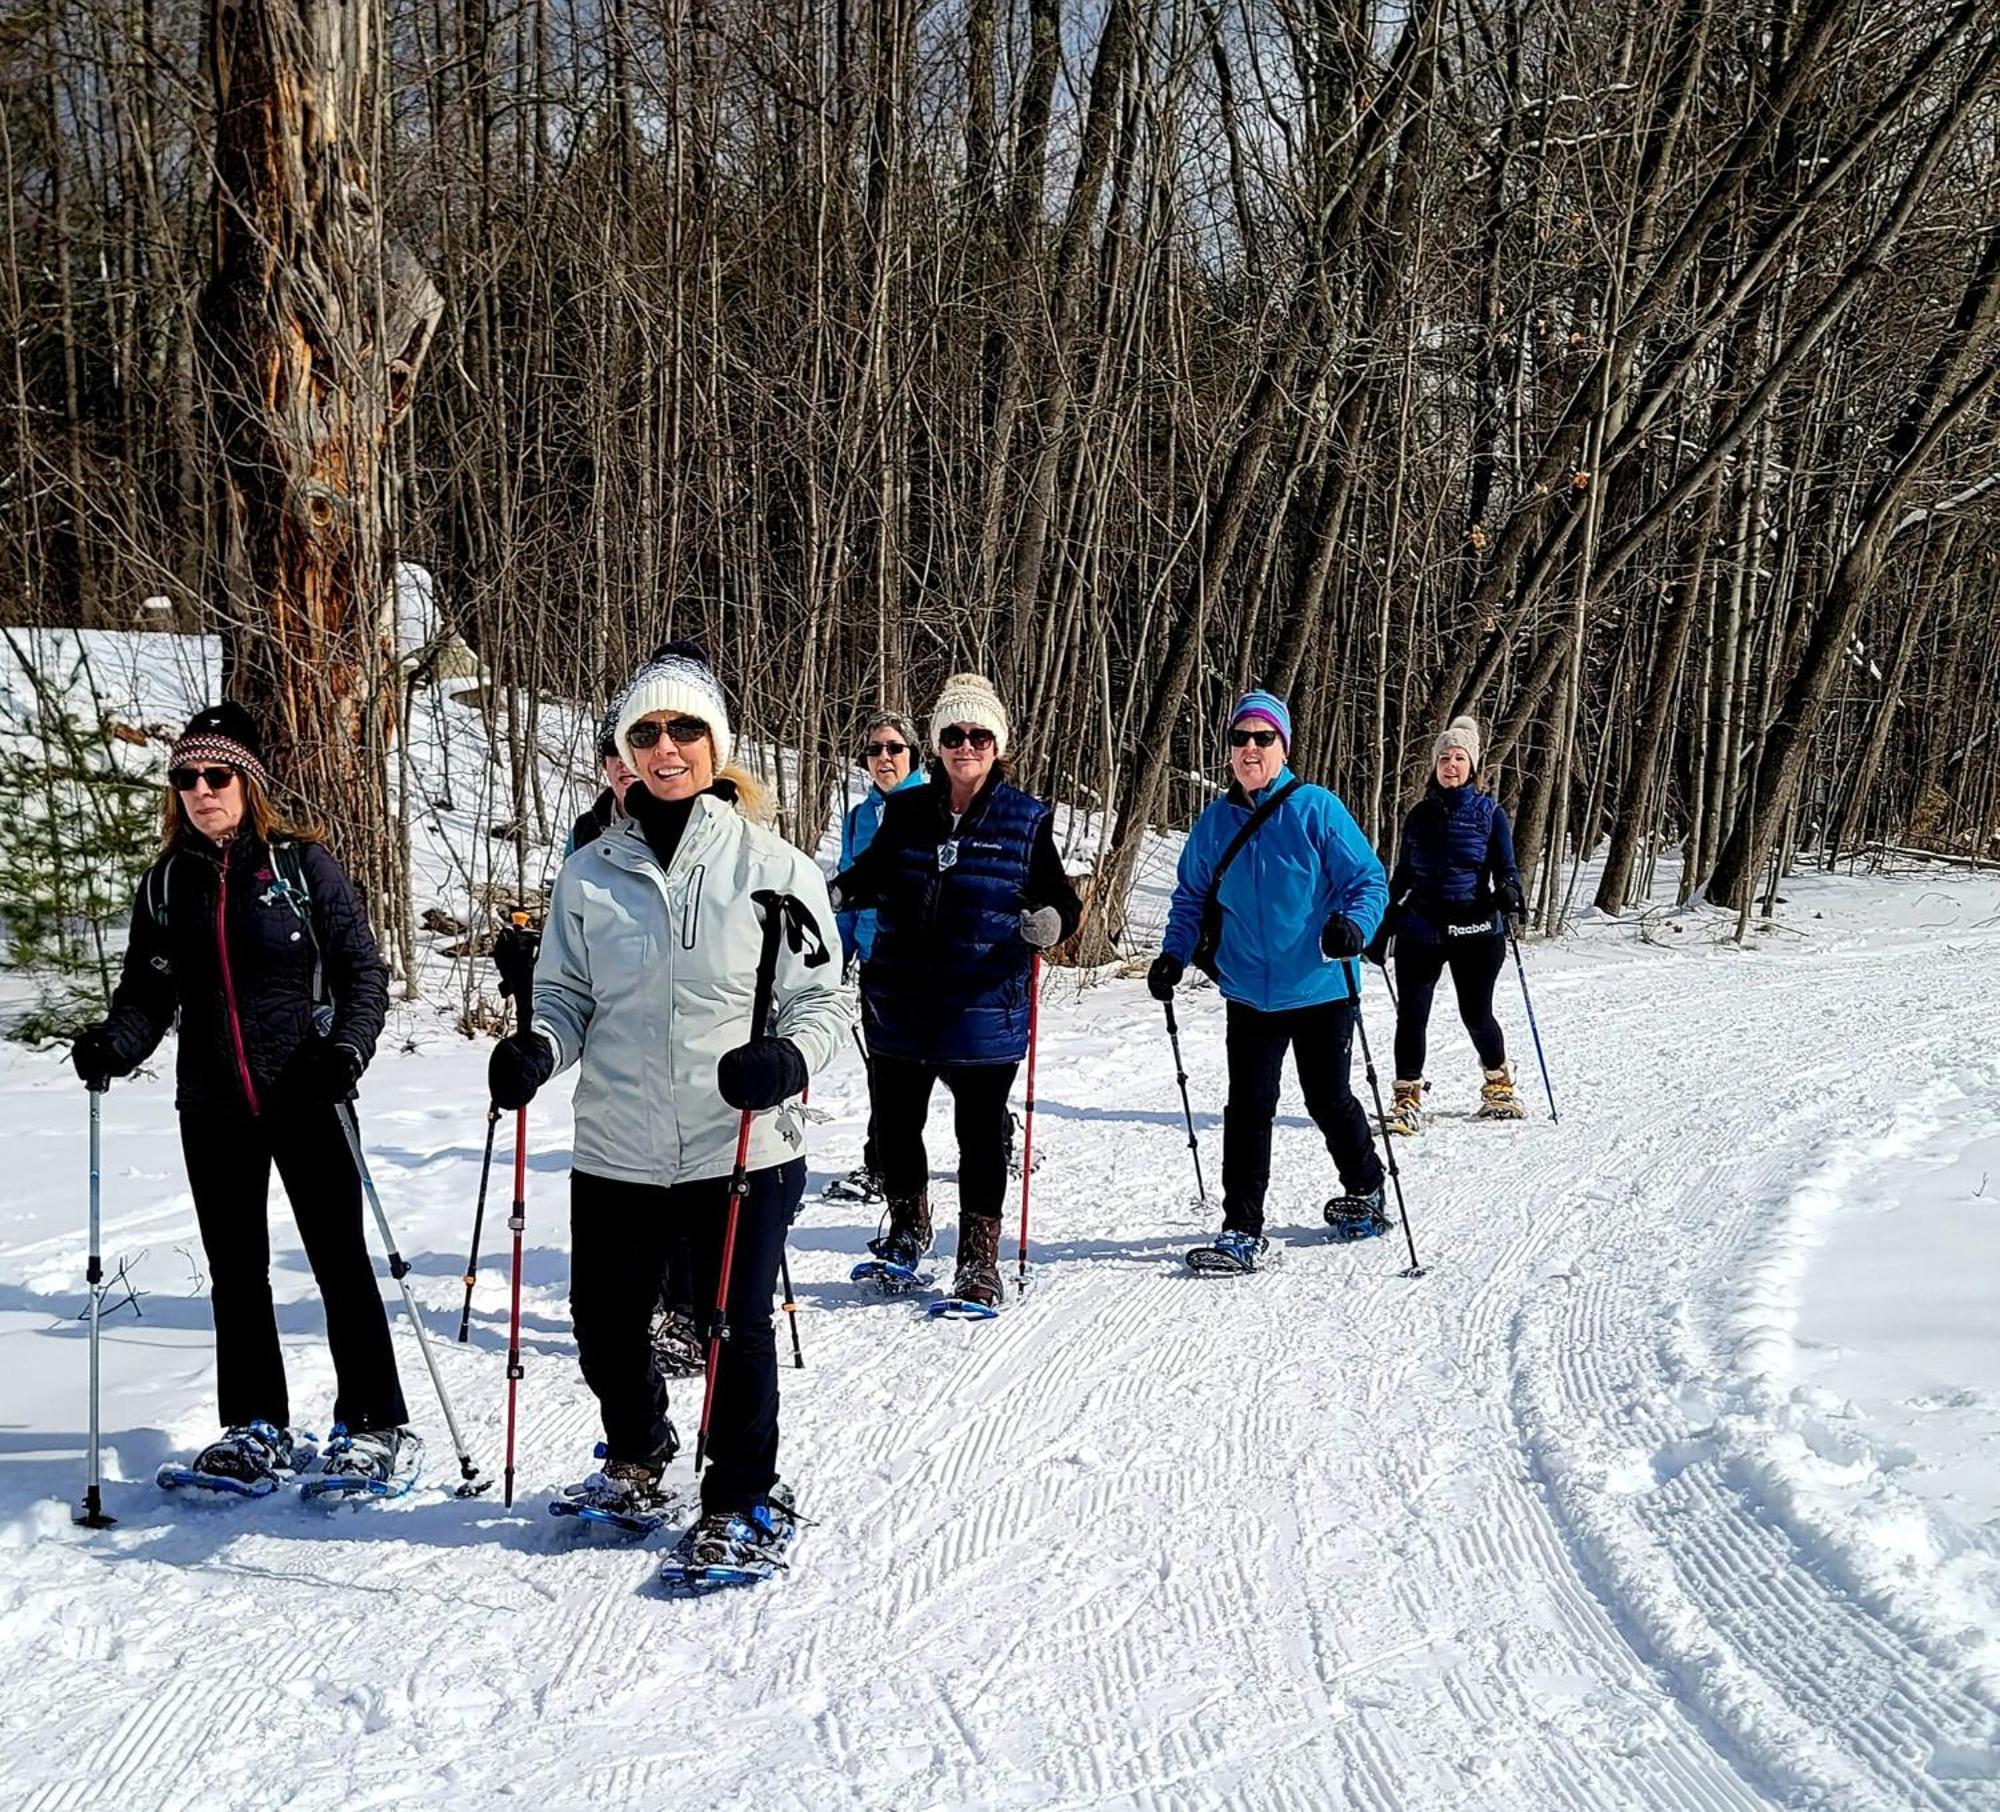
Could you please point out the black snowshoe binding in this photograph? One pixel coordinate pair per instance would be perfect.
(250, 1460)
(1235, 1253)
(626, 1495)
(1014, 1146)
(369, 1462)
(730, 1547)
(1353, 1217)
(678, 1348)
(900, 1250)
(861, 1184)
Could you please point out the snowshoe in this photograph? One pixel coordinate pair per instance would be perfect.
(729, 1547)
(1353, 1217)
(1407, 1115)
(1235, 1253)
(251, 1460)
(373, 1462)
(1497, 1097)
(900, 1250)
(1014, 1146)
(860, 1184)
(626, 1495)
(975, 1290)
(678, 1349)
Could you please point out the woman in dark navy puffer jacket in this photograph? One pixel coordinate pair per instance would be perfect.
(233, 926)
(967, 886)
(1455, 879)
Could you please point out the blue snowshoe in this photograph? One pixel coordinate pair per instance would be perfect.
(625, 1496)
(900, 1250)
(1353, 1217)
(250, 1460)
(371, 1462)
(728, 1548)
(1235, 1252)
(976, 1290)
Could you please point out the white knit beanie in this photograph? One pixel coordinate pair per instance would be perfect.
(676, 678)
(968, 698)
(1460, 733)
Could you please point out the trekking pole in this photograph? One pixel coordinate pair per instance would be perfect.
(92, 1513)
(791, 1309)
(1388, 1140)
(517, 1222)
(470, 1483)
(1520, 969)
(478, 1221)
(739, 1176)
(1028, 1119)
(1187, 1108)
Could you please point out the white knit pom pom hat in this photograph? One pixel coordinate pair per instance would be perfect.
(1460, 733)
(969, 698)
(676, 678)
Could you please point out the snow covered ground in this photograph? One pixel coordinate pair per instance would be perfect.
(1676, 1484)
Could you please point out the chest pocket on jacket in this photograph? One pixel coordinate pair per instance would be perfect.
(691, 909)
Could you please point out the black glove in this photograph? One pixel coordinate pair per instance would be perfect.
(761, 1073)
(1341, 937)
(517, 1069)
(1508, 897)
(1164, 976)
(320, 1072)
(1377, 951)
(514, 953)
(96, 1057)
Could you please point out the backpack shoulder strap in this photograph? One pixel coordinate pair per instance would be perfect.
(1249, 828)
(289, 860)
(157, 890)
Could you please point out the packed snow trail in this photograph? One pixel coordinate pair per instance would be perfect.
(1501, 1538)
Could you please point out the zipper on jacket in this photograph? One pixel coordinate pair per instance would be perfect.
(229, 984)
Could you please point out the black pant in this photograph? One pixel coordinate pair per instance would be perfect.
(1320, 1039)
(902, 1103)
(229, 1159)
(677, 1295)
(619, 1239)
(1475, 964)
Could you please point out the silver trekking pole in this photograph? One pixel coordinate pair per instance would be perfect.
(92, 1514)
(471, 1484)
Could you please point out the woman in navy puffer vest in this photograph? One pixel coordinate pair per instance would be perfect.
(966, 886)
(1455, 878)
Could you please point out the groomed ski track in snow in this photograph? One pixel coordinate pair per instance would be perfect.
(1500, 1538)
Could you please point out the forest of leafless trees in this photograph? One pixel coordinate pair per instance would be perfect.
(1621, 370)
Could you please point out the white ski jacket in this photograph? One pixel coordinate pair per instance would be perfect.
(646, 977)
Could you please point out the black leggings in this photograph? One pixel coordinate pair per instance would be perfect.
(620, 1236)
(1475, 964)
(229, 1160)
(901, 1095)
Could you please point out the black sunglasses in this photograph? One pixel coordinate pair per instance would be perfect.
(953, 736)
(875, 749)
(1242, 739)
(182, 780)
(684, 730)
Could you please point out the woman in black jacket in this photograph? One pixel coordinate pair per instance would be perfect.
(249, 931)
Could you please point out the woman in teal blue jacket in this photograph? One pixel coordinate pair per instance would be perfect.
(1297, 905)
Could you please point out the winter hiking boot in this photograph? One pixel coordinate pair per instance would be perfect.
(1352, 1217)
(1497, 1099)
(735, 1547)
(677, 1344)
(369, 1462)
(625, 1494)
(909, 1235)
(250, 1460)
(1407, 1115)
(976, 1285)
(1236, 1252)
(861, 1184)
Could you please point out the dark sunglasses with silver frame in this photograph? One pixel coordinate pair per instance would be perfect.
(876, 750)
(683, 730)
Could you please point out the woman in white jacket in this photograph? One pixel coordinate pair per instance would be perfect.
(646, 978)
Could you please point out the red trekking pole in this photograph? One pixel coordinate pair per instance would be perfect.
(786, 917)
(1028, 1119)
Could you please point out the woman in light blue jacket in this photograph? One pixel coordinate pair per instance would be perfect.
(1295, 906)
